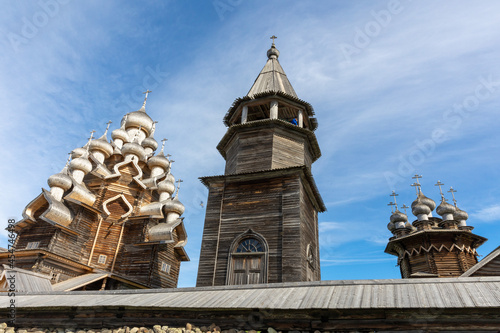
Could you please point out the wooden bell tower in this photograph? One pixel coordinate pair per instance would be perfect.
(261, 224)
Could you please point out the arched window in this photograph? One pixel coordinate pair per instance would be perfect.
(247, 262)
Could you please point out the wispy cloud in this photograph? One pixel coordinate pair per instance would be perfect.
(488, 214)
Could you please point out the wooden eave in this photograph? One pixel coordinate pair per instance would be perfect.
(306, 175)
(232, 113)
(26, 222)
(47, 254)
(491, 256)
(390, 246)
(271, 123)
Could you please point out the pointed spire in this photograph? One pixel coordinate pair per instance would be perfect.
(272, 77)
(143, 108)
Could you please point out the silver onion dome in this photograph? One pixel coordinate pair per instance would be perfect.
(159, 160)
(174, 205)
(150, 142)
(166, 186)
(121, 134)
(78, 152)
(81, 163)
(170, 178)
(427, 201)
(397, 216)
(273, 52)
(445, 208)
(460, 215)
(139, 119)
(419, 208)
(102, 145)
(61, 179)
(391, 226)
(135, 149)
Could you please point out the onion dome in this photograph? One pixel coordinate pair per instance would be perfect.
(81, 163)
(158, 161)
(445, 210)
(397, 216)
(166, 186)
(102, 145)
(170, 178)
(460, 215)
(419, 208)
(427, 201)
(78, 152)
(273, 52)
(139, 119)
(120, 133)
(61, 180)
(150, 141)
(174, 205)
(135, 149)
(391, 226)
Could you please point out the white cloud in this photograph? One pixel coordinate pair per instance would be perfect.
(488, 214)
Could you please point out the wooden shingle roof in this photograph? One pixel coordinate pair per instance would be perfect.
(349, 294)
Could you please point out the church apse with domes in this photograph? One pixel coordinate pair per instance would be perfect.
(431, 246)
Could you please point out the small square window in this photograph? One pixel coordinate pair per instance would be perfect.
(32, 245)
(54, 277)
(165, 267)
(102, 259)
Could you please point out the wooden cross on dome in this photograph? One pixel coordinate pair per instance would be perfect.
(405, 207)
(452, 191)
(392, 204)
(394, 195)
(273, 37)
(107, 127)
(417, 183)
(440, 189)
(163, 144)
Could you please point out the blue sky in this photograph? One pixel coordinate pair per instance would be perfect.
(398, 87)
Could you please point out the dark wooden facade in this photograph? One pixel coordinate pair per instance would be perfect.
(261, 223)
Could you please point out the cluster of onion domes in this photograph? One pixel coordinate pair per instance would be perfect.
(422, 207)
(134, 141)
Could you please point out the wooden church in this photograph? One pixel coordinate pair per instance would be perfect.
(261, 223)
(440, 247)
(111, 219)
